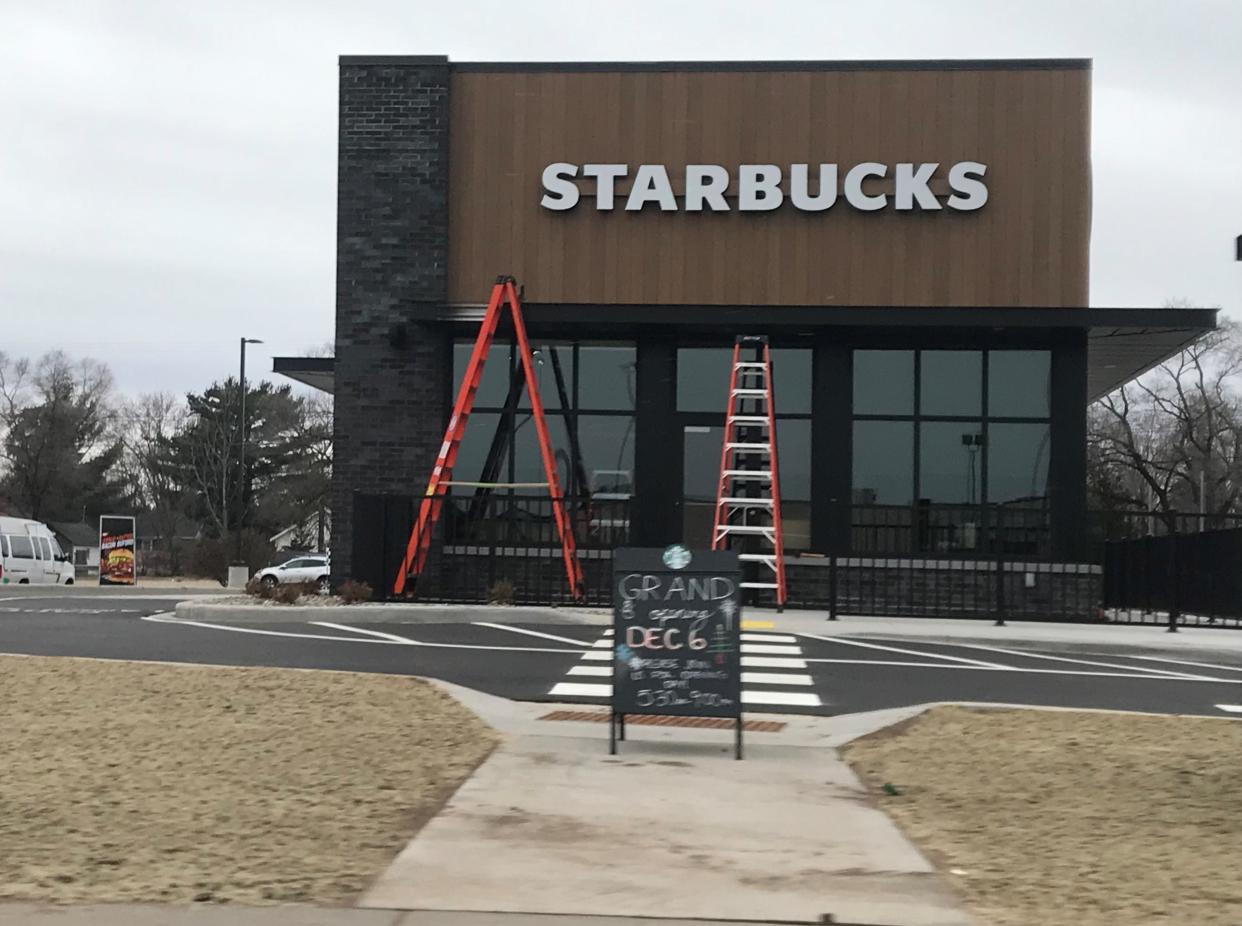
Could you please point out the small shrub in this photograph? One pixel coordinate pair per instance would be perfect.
(352, 591)
(287, 594)
(260, 590)
(501, 592)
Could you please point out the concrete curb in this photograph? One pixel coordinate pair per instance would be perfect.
(384, 613)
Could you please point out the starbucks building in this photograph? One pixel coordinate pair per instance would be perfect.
(912, 238)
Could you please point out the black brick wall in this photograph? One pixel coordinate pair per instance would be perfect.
(392, 377)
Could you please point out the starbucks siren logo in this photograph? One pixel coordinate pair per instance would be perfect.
(676, 557)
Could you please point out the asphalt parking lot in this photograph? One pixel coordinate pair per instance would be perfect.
(830, 669)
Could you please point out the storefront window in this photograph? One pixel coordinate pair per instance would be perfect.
(964, 458)
(607, 443)
(494, 385)
(593, 376)
(1017, 462)
(883, 382)
(883, 462)
(793, 441)
(951, 382)
(951, 462)
(606, 377)
(703, 379)
(1019, 383)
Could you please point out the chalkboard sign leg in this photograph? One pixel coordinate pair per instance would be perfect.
(612, 734)
(622, 725)
(739, 736)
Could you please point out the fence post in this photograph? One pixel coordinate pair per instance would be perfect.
(832, 561)
(1174, 609)
(999, 550)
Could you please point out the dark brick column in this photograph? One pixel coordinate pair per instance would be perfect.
(392, 376)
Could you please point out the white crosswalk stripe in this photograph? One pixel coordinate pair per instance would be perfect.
(760, 651)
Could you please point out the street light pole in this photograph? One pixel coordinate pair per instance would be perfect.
(241, 427)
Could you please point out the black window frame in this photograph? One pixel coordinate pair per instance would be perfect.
(982, 421)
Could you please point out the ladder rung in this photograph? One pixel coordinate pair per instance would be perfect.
(748, 419)
(748, 474)
(751, 365)
(750, 392)
(754, 448)
(746, 529)
(748, 502)
(769, 558)
(759, 585)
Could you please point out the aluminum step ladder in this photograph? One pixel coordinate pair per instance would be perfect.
(748, 496)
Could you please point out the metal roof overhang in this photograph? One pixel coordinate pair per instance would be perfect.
(1122, 343)
(317, 372)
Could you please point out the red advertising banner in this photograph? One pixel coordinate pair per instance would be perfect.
(117, 552)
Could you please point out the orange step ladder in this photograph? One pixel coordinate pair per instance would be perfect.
(504, 297)
(748, 495)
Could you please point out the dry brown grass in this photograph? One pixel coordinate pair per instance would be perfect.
(130, 782)
(1071, 818)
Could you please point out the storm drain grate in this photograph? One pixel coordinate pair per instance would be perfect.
(659, 720)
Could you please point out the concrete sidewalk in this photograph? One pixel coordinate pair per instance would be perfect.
(671, 827)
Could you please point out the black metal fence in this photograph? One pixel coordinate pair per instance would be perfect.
(961, 530)
(1175, 578)
(505, 548)
(986, 562)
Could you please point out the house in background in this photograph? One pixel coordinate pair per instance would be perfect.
(80, 541)
(311, 535)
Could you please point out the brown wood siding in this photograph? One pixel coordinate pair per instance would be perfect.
(1028, 246)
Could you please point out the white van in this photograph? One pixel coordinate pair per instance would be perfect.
(30, 555)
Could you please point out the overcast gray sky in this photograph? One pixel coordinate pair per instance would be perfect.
(167, 169)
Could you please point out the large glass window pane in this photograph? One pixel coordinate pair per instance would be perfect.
(473, 449)
(545, 375)
(527, 462)
(883, 462)
(495, 383)
(793, 450)
(791, 380)
(950, 462)
(703, 379)
(951, 382)
(1019, 382)
(1017, 462)
(606, 377)
(883, 382)
(607, 443)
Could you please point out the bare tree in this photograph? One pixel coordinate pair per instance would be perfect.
(1170, 440)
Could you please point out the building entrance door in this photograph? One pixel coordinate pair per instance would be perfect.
(700, 475)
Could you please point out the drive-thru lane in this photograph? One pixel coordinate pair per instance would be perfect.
(820, 672)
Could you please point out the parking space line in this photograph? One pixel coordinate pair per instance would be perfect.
(1177, 662)
(908, 652)
(532, 633)
(1084, 662)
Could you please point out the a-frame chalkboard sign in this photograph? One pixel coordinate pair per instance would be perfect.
(676, 648)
